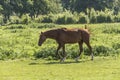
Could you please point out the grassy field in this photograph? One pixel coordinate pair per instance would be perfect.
(102, 68)
(19, 54)
(21, 41)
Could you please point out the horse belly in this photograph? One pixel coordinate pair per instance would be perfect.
(72, 39)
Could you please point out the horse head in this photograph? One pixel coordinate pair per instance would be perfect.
(42, 38)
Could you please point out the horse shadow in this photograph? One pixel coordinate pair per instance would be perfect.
(66, 62)
(57, 62)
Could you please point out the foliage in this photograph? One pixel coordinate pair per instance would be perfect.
(21, 41)
(92, 15)
(1, 20)
(83, 18)
(25, 19)
(117, 17)
(14, 20)
(80, 5)
(22, 11)
(15, 27)
(66, 18)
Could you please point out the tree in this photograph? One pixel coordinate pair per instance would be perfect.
(82, 5)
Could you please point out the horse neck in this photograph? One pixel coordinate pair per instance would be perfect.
(51, 34)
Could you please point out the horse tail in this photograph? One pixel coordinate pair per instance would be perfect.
(88, 30)
(86, 27)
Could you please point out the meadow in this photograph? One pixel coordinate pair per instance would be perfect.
(21, 41)
(102, 68)
(22, 59)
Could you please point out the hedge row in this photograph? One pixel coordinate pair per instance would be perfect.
(91, 16)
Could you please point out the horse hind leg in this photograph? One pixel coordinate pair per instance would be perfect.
(90, 48)
(81, 50)
(64, 54)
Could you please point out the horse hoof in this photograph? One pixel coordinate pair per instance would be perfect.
(76, 59)
(92, 59)
(61, 61)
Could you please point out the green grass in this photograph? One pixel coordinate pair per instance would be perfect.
(102, 68)
(18, 46)
(21, 41)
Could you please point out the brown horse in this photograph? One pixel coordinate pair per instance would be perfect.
(63, 36)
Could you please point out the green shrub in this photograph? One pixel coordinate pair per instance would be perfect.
(61, 20)
(83, 18)
(25, 19)
(116, 46)
(109, 18)
(15, 27)
(70, 20)
(117, 18)
(47, 19)
(46, 26)
(66, 18)
(45, 53)
(1, 20)
(101, 17)
(102, 50)
(14, 20)
(109, 15)
(7, 54)
(92, 15)
(38, 19)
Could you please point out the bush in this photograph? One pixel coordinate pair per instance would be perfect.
(46, 26)
(25, 19)
(15, 27)
(66, 18)
(109, 18)
(45, 53)
(101, 17)
(116, 46)
(38, 19)
(70, 20)
(47, 19)
(83, 18)
(61, 20)
(117, 18)
(7, 54)
(14, 20)
(92, 15)
(1, 20)
(102, 50)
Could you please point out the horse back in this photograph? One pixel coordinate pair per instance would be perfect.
(70, 35)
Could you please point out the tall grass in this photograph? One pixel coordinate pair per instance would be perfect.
(21, 41)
